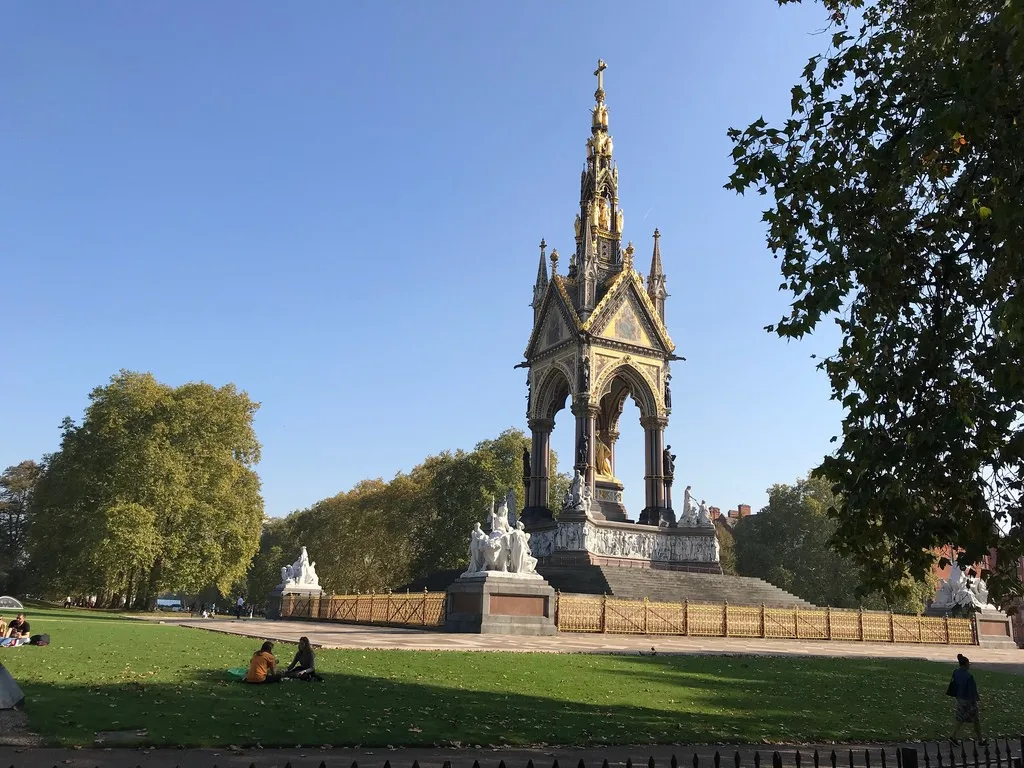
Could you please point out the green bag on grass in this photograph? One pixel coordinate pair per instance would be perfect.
(237, 673)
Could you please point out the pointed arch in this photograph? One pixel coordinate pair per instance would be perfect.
(554, 389)
(640, 388)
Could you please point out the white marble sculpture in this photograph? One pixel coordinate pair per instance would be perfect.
(703, 515)
(962, 591)
(579, 497)
(506, 548)
(301, 573)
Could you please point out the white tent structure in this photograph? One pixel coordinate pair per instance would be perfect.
(10, 694)
(11, 603)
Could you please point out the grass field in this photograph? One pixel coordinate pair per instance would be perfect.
(106, 673)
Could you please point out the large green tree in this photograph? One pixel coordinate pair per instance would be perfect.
(382, 534)
(16, 486)
(896, 208)
(788, 544)
(154, 491)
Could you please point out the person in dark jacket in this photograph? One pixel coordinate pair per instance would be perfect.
(963, 687)
(303, 666)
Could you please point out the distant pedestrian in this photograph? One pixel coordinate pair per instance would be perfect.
(965, 690)
(239, 607)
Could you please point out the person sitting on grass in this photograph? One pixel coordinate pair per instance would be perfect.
(303, 665)
(18, 627)
(263, 666)
(3, 627)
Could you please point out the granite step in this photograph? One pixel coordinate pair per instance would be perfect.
(668, 586)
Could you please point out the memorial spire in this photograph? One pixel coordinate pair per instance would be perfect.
(656, 277)
(541, 286)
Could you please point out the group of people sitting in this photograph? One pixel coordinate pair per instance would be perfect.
(16, 630)
(263, 665)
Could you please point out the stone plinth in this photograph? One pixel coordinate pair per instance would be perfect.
(578, 539)
(280, 592)
(504, 603)
(994, 629)
(607, 502)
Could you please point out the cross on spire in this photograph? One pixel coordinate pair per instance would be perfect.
(599, 73)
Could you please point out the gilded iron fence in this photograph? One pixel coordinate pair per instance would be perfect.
(414, 609)
(584, 613)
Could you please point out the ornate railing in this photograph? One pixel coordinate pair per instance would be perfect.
(586, 613)
(583, 613)
(415, 609)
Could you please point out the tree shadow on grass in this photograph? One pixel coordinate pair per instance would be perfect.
(670, 700)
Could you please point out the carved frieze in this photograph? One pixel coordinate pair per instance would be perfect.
(627, 541)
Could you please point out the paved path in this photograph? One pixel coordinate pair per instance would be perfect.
(336, 635)
(460, 758)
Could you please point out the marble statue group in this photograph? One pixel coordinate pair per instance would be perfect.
(962, 590)
(506, 548)
(578, 497)
(301, 573)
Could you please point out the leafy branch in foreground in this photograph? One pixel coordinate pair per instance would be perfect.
(896, 191)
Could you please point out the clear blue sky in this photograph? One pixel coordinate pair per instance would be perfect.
(337, 206)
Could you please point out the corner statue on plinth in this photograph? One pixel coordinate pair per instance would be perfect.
(506, 548)
(962, 591)
(578, 498)
(501, 591)
(301, 573)
(298, 580)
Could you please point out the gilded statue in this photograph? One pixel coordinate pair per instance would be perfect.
(578, 225)
(603, 459)
(595, 218)
(618, 221)
(605, 219)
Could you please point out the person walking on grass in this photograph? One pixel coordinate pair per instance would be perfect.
(965, 690)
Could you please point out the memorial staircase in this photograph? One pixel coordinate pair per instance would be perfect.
(668, 586)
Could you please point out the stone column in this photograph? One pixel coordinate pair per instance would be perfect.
(654, 477)
(537, 510)
(586, 424)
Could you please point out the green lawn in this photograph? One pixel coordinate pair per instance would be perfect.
(106, 673)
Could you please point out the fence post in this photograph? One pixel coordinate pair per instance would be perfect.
(828, 622)
(762, 621)
(860, 623)
(796, 626)
(604, 612)
(892, 628)
(686, 616)
(372, 592)
(423, 608)
(945, 623)
(725, 619)
(645, 615)
(558, 608)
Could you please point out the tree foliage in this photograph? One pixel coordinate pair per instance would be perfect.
(380, 534)
(788, 544)
(16, 486)
(896, 191)
(153, 492)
